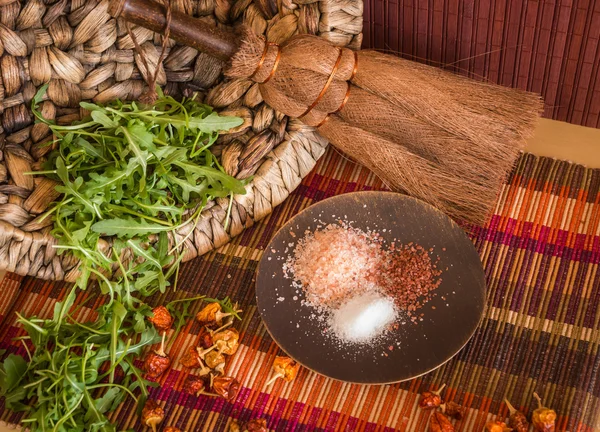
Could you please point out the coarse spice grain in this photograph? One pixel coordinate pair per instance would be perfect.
(409, 275)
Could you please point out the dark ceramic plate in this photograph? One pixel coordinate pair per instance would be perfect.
(449, 320)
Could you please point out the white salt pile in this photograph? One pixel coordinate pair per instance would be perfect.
(363, 318)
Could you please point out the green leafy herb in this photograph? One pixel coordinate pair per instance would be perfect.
(138, 174)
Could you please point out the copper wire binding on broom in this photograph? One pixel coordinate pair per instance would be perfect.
(261, 62)
(345, 100)
(326, 86)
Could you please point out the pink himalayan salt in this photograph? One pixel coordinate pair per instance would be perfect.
(335, 264)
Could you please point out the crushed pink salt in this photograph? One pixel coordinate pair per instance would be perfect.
(335, 263)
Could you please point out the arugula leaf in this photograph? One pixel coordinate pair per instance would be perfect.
(13, 369)
(103, 119)
(103, 403)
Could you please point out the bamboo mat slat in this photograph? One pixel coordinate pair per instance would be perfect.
(541, 330)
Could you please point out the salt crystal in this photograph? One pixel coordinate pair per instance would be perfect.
(363, 317)
(329, 264)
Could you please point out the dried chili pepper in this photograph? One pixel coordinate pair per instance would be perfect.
(152, 414)
(212, 315)
(161, 318)
(496, 426)
(225, 386)
(440, 423)
(194, 385)
(284, 367)
(543, 418)
(206, 340)
(517, 420)
(453, 410)
(191, 359)
(157, 362)
(171, 429)
(431, 400)
(256, 425)
(216, 361)
(208, 315)
(227, 341)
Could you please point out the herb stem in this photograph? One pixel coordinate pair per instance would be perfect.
(140, 215)
(125, 389)
(187, 299)
(68, 414)
(228, 215)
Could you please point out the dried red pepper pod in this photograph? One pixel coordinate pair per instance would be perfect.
(453, 410)
(440, 423)
(517, 420)
(496, 426)
(194, 385)
(256, 425)
(227, 387)
(234, 426)
(543, 418)
(212, 315)
(227, 341)
(284, 367)
(191, 359)
(157, 362)
(152, 414)
(161, 318)
(206, 340)
(431, 399)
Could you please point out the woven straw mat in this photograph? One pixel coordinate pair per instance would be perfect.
(85, 54)
(540, 332)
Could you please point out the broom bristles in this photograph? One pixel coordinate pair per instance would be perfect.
(440, 137)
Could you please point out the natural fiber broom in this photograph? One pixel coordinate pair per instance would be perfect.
(440, 137)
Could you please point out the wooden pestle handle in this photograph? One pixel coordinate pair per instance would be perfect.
(183, 28)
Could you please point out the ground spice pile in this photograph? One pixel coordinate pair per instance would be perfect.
(360, 286)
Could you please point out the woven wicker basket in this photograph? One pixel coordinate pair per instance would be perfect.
(86, 55)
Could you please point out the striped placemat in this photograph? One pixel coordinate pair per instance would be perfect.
(541, 331)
